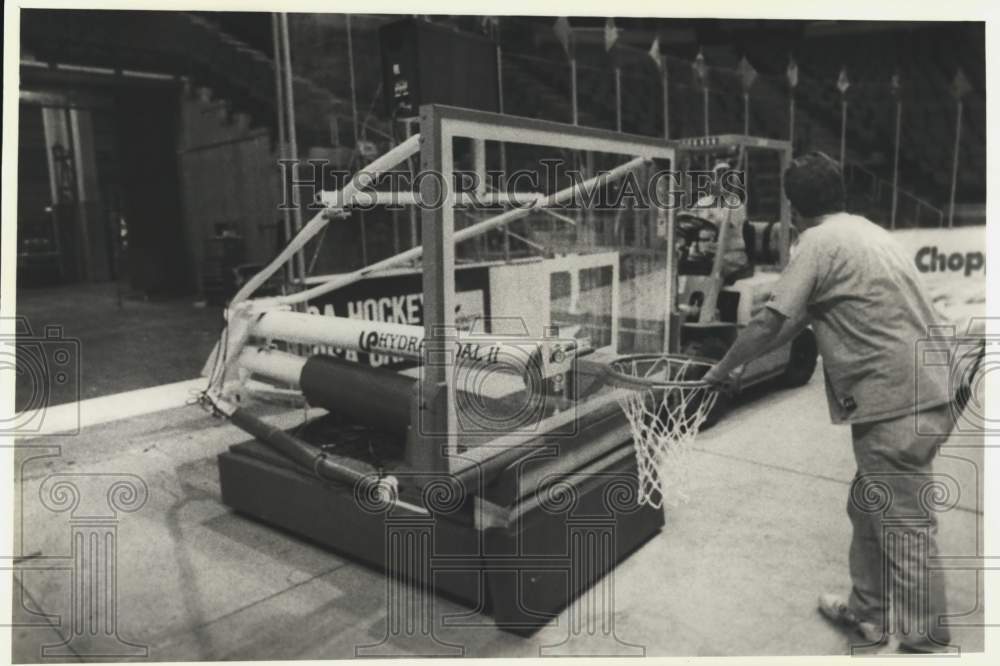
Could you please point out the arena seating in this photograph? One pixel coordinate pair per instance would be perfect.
(871, 55)
(186, 44)
(928, 126)
(536, 83)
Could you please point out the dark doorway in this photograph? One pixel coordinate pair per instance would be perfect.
(147, 125)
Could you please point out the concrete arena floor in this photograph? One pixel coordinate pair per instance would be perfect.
(134, 344)
(736, 570)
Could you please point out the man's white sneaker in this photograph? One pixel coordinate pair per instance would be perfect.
(835, 608)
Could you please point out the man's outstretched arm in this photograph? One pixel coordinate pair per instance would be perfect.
(785, 314)
(768, 330)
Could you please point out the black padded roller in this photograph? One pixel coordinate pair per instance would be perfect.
(374, 397)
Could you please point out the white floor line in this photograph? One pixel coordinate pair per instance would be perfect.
(70, 418)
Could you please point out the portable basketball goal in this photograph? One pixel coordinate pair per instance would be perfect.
(592, 332)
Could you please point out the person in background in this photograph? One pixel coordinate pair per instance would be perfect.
(719, 209)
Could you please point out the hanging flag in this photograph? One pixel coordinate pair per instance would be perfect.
(960, 87)
(367, 149)
(701, 78)
(842, 85)
(564, 32)
(610, 34)
(490, 25)
(894, 85)
(792, 72)
(700, 69)
(894, 88)
(842, 82)
(661, 65)
(747, 73)
(655, 55)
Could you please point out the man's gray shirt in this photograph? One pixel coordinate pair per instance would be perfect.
(871, 316)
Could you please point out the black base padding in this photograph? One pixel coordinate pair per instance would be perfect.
(522, 563)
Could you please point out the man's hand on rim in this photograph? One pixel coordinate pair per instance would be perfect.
(722, 379)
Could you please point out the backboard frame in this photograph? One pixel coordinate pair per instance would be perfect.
(434, 446)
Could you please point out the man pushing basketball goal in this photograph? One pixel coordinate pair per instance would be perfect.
(862, 295)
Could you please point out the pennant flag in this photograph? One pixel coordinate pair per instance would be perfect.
(610, 34)
(655, 55)
(842, 83)
(700, 69)
(564, 32)
(894, 85)
(747, 73)
(367, 149)
(960, 87)
(792, 72)
(490, 25)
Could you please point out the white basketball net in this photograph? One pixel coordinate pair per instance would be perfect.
(665, 404)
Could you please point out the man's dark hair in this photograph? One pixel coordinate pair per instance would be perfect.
(814, 184)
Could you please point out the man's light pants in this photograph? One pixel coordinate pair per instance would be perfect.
(892, 506)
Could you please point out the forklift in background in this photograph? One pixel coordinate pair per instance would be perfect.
(712, 306)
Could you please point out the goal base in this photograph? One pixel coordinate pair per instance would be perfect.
(521, 559)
